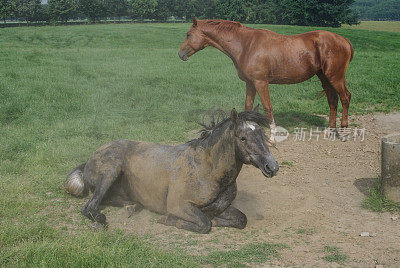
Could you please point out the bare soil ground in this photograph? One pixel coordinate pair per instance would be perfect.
(314, 201)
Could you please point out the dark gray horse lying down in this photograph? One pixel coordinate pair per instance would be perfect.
(192, 184)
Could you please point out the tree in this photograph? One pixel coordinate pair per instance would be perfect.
(204, 9)
(263, 11)
(237, 10)
(117, 8)
(184, 8)
(332, 13)
(143, 8)
(92, 9)
(7, 8)
(164, 9)
(30, 10)
(62, 9)
(378, 9)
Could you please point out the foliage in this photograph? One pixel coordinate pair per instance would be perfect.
(62, 10)
(265, 11)
(7, 9)
(30, 10)
(117, 8)
(293, 12)
(317, 13)
(184, 8)
(143, 8)
(312, 12)
(378, 9)
(93, 9)
(164, 9)
(237, 10)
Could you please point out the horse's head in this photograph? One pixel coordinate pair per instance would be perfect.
(194, 41)
(251, 142)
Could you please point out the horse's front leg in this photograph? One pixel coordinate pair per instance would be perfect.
(188, 217)
(231, 217)
(263, 91)
(250, 95)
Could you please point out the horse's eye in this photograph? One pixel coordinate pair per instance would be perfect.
(188, 35)
(243, 139)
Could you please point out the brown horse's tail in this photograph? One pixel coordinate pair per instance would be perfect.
(74, 184)
(351, 47)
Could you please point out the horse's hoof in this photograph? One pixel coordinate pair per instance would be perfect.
(162, 220)
(101, 218)
(133, 209)
(98, 227)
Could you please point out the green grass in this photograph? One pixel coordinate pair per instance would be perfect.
(389, 26)
(377, 201)
(41, 245)
(44, 246)
(306, 231)
(251, 253)
(287, 163)
(334, 254)
(65, 91)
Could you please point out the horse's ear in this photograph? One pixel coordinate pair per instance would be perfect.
(256, 108)
(234, 117)
(194, 22)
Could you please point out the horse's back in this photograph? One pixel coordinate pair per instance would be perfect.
(143, 170)
(296, 58)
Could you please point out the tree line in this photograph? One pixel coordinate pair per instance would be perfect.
(378, 9)
(293, 12)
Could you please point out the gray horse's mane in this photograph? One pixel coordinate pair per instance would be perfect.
(219, 122)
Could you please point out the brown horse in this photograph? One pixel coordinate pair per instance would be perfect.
(263, 57)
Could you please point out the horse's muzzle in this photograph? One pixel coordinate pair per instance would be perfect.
(183, 55)
(269, 167)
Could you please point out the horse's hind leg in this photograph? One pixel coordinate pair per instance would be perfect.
(334, 70)
(332, 97)
(345, 98)
(231, 217)
(105, 178)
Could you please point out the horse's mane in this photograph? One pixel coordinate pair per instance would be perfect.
(217, 126)
(223, 25)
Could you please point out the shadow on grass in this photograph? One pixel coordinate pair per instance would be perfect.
(290, 120)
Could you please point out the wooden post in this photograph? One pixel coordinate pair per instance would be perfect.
(390, 169)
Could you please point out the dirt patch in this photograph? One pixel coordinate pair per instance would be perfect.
(314, 201)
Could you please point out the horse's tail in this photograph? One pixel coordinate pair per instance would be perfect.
(351, 47)
(74, 184)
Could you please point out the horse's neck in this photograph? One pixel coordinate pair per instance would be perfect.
(230, 43)
(223, 153)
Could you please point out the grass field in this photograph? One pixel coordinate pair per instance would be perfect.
(64, 91)
(389, 26)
